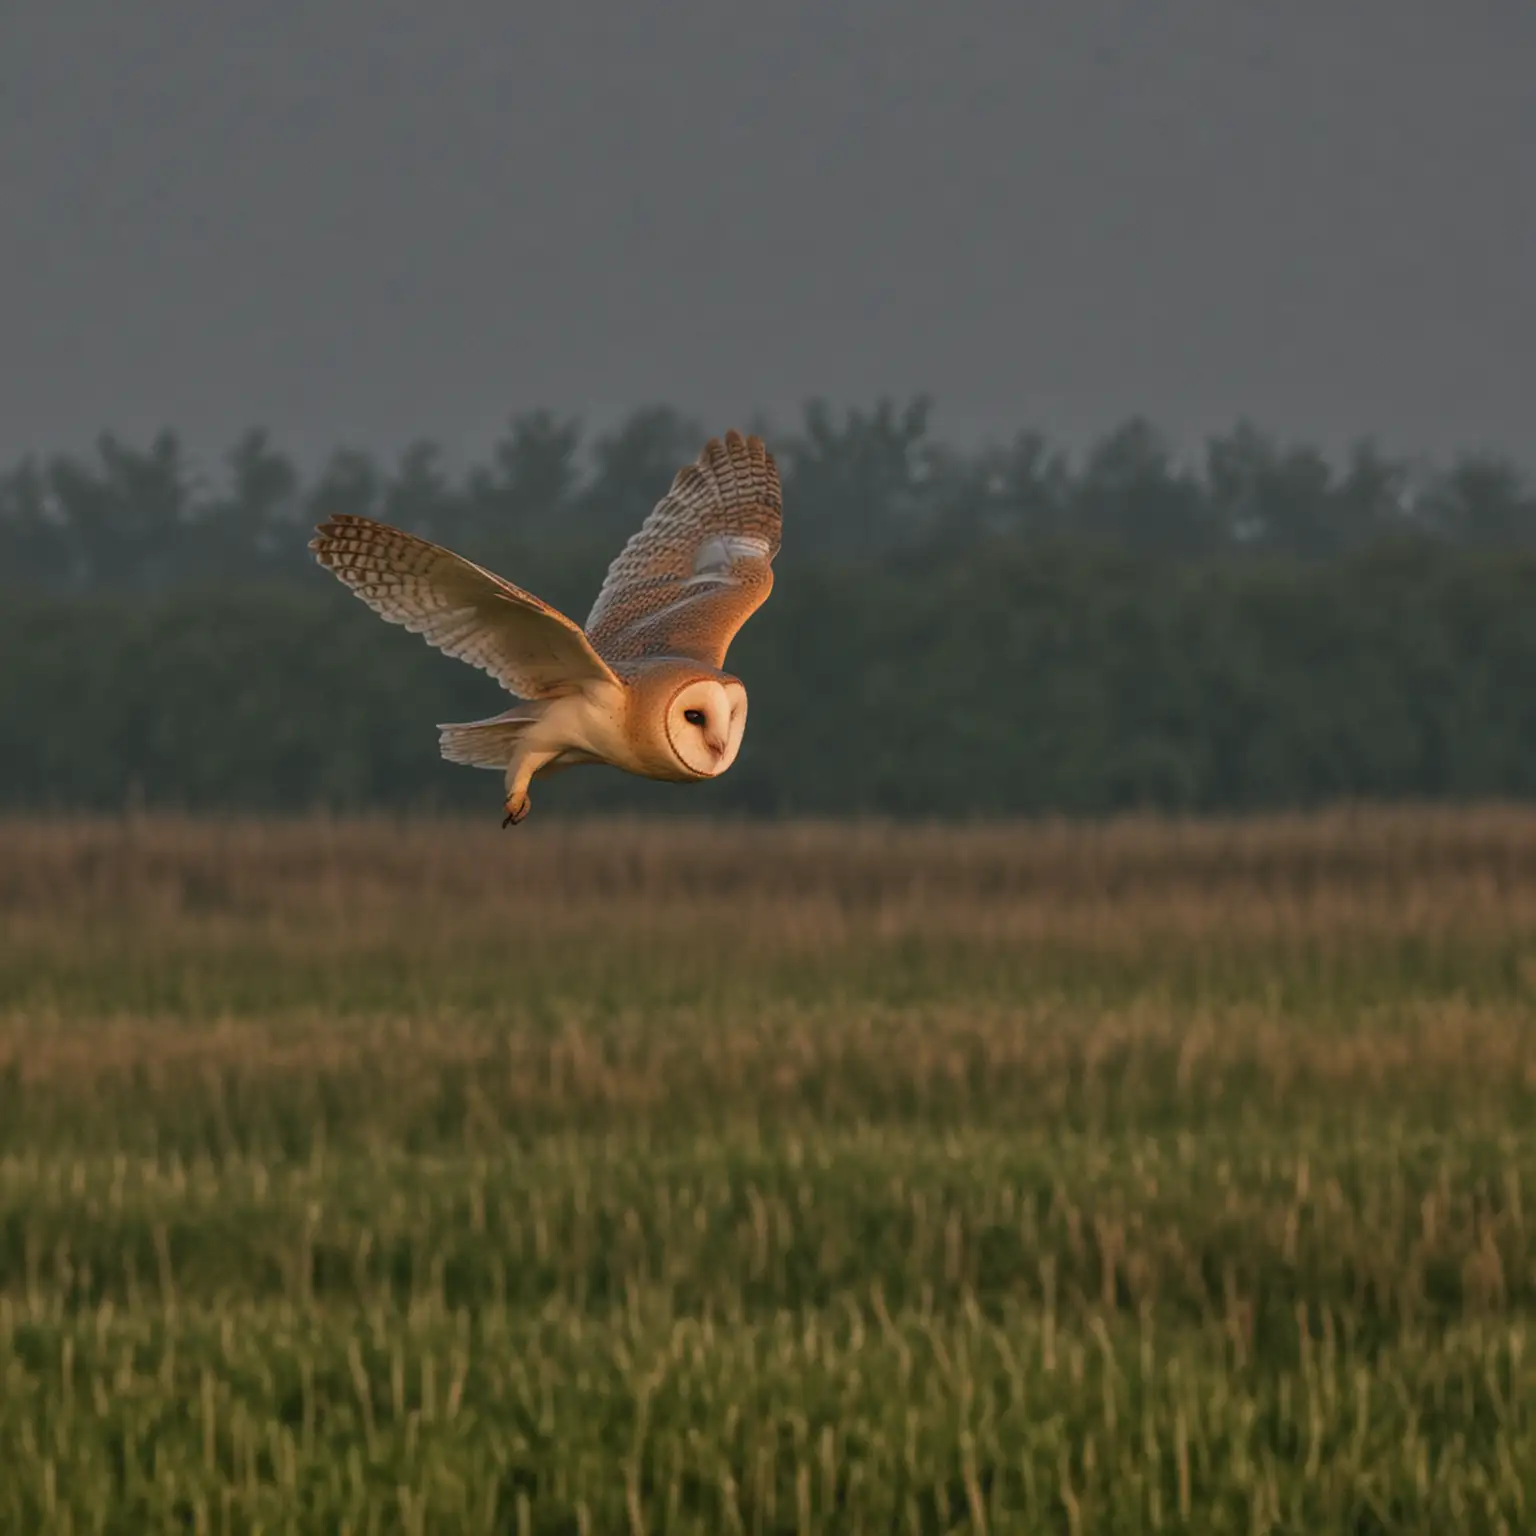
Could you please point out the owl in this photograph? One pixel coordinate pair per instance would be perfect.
(640, 686)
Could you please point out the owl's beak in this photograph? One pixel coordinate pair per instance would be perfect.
(716, 744)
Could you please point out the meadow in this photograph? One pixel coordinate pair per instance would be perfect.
(408, 1175)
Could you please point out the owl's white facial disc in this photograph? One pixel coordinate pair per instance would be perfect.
(705, 724)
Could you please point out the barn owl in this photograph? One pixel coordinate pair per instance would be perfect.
(641, 685)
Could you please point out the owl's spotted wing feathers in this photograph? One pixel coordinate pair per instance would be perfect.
(700, 564)
(466, 612)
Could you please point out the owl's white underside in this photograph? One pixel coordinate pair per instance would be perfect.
(594, 726)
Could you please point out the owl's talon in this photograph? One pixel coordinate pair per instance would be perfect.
(516, 811)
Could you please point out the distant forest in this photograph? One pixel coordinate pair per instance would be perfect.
(1011, 630)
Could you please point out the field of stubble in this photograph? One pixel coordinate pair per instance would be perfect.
(378, 1176)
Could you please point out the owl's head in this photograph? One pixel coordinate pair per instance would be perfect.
(705, 720)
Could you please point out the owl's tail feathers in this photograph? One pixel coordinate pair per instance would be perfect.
(483, 743)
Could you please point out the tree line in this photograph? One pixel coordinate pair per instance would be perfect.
(861, 484)
(1005, 631)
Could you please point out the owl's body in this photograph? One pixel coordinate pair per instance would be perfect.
(641, 686)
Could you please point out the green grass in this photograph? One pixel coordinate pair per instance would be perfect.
(372, 1178)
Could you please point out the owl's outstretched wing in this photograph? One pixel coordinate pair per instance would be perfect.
(700, 564)
(531, 649)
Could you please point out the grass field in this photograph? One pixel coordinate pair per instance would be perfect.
(378, 1176)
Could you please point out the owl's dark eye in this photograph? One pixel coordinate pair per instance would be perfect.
(694, 716)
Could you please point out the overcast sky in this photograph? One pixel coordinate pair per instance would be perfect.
(368, 220)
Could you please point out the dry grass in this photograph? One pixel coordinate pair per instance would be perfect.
(377, 1175)
(322, 864)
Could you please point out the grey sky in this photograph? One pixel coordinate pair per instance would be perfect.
(365, 220)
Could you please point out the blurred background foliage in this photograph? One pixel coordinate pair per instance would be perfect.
(1006, 630)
